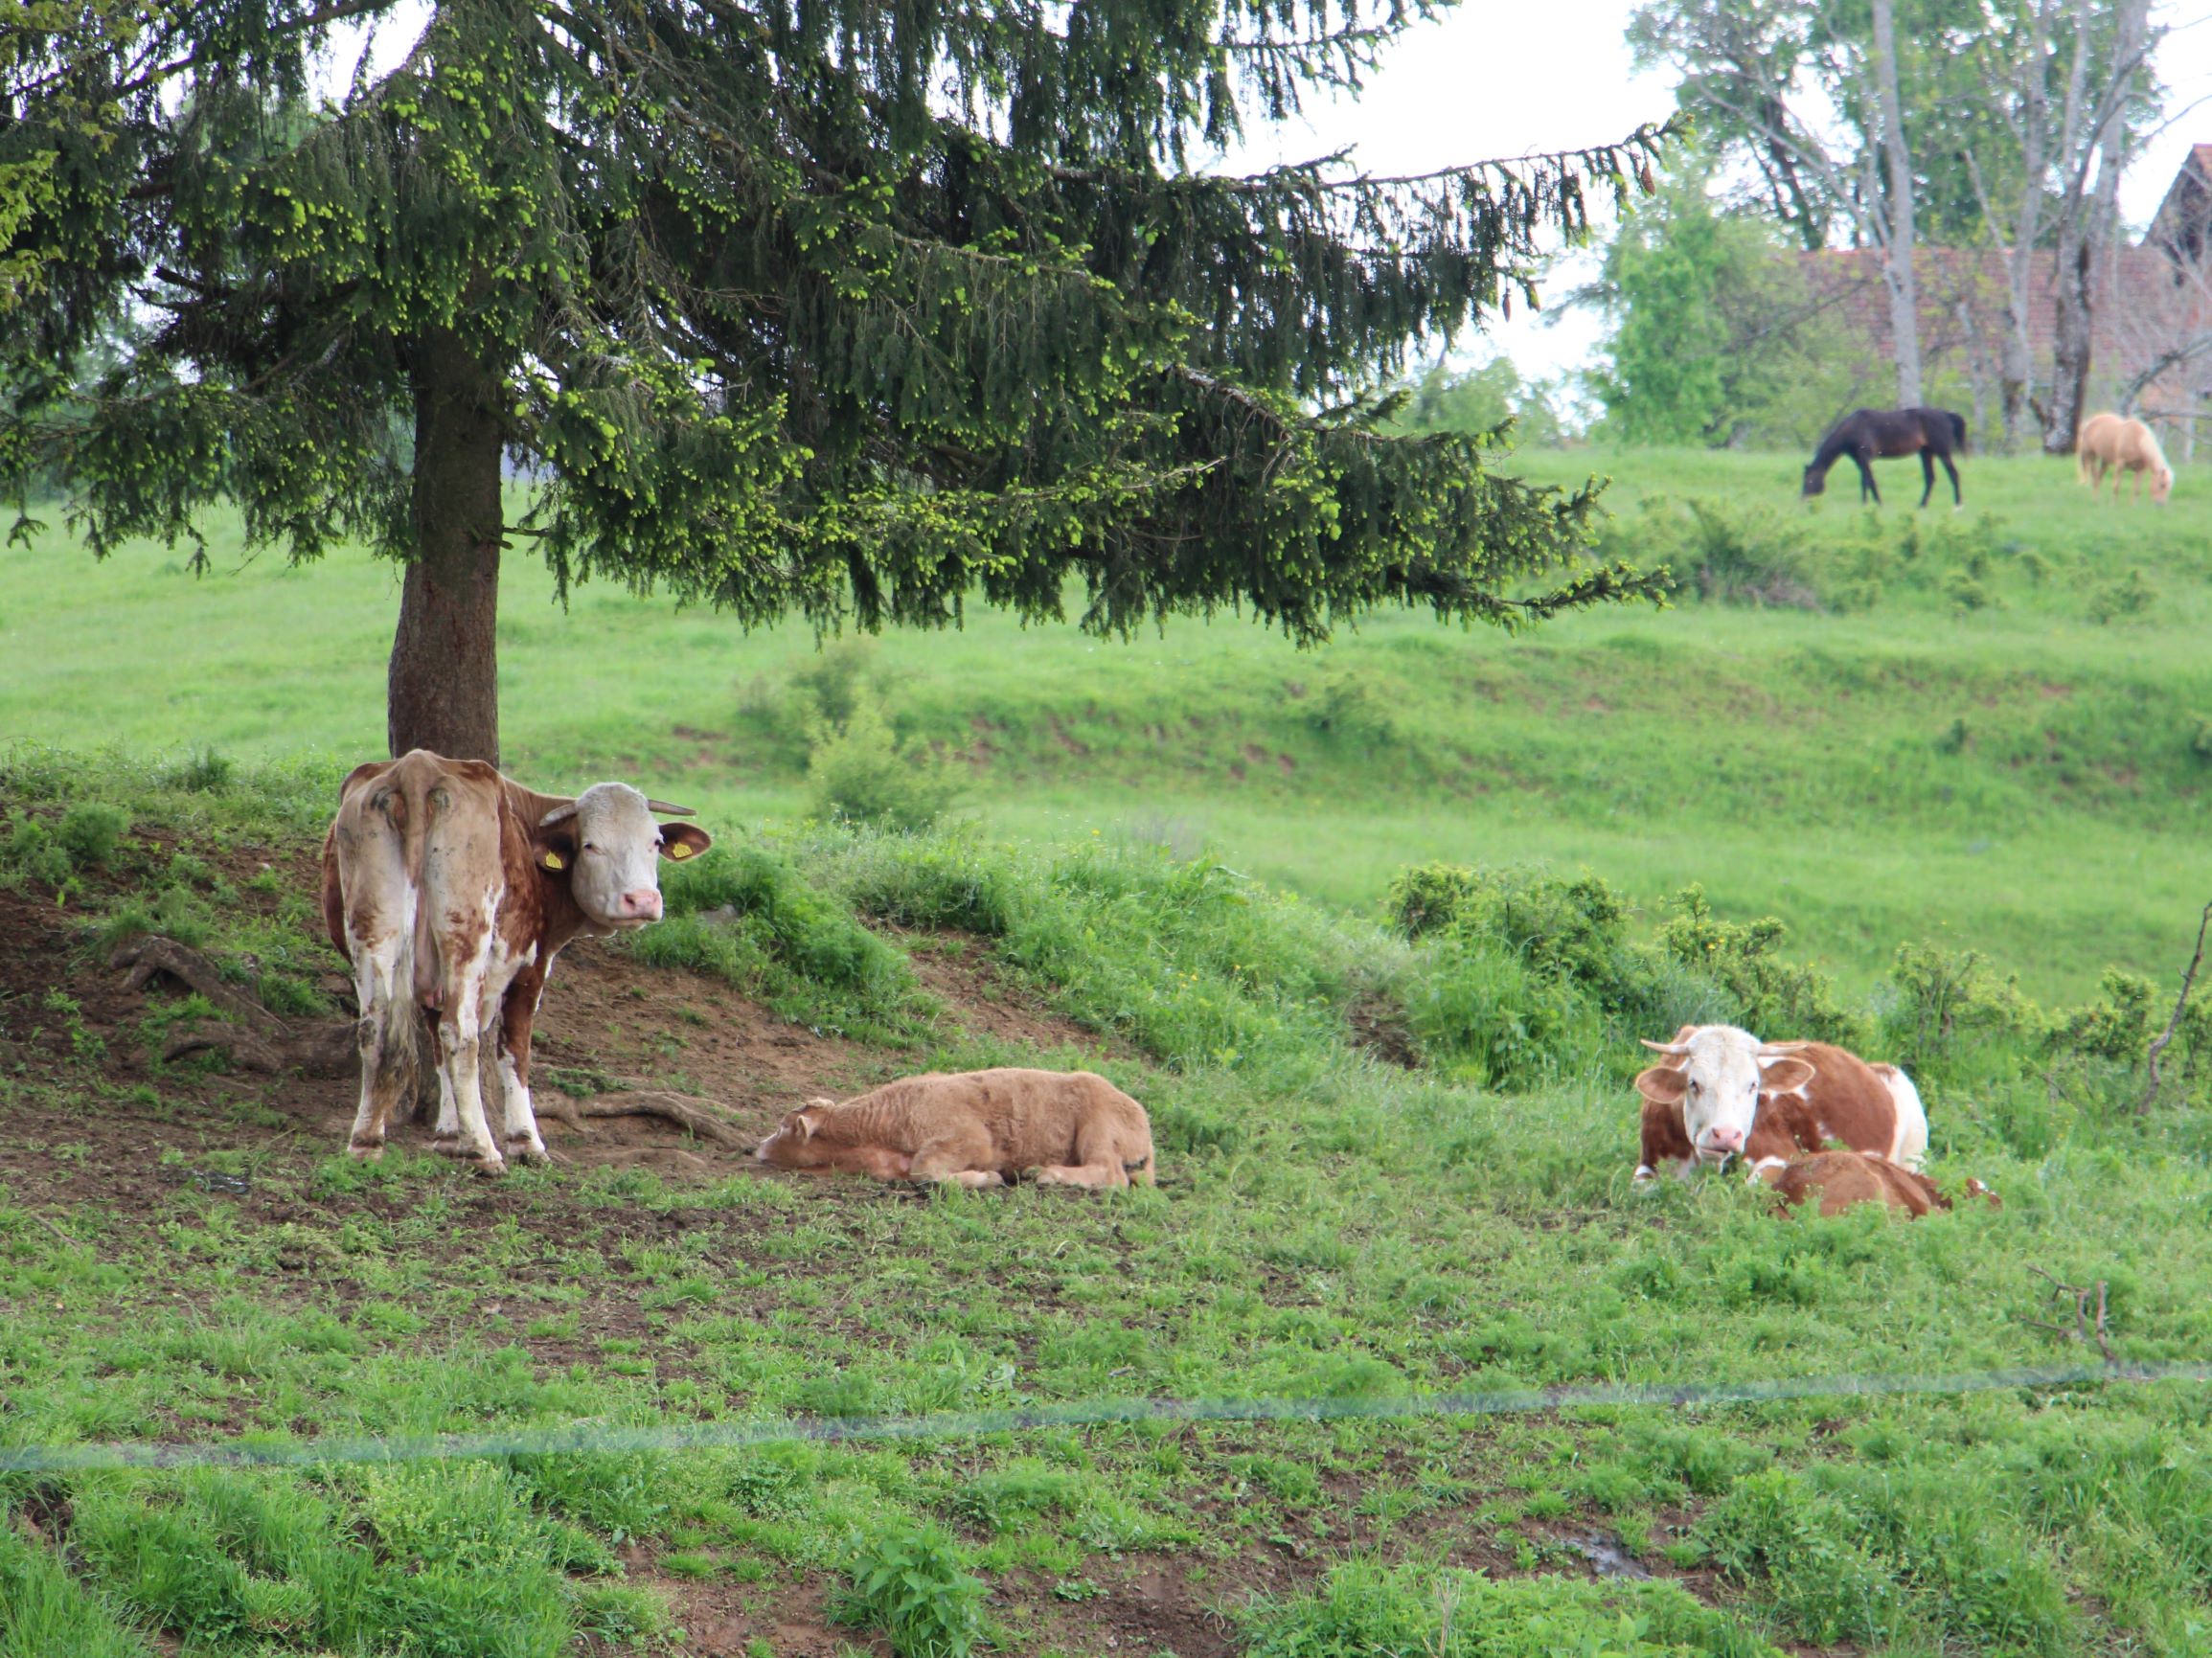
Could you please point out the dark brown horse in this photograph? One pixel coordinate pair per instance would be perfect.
(1869, 435)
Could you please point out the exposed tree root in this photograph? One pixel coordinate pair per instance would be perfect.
(151, 956)
(253, 1037)
(686, 1111)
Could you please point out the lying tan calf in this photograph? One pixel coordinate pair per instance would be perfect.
(975, 1129)
(1842, 1178)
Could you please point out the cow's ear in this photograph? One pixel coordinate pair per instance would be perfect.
(553, 851)
(799, 1124)
(1663, 1084)
(1781, 1075)
(683, 840)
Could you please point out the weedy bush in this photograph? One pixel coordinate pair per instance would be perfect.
(1203, 966)
(751, 918)
(860, 772)
(1769, 995)
(203, 773)
(1527, 974)
(833, 711)
(1353, 708)
(908, 1581)
(55, 852)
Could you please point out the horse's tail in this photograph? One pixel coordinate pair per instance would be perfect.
(1957, 430)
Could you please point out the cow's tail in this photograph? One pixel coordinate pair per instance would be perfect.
(426, 971)
(1910, 1145)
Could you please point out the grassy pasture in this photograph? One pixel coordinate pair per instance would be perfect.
(182, 1256)
(1389, 1164)
(1954, 744)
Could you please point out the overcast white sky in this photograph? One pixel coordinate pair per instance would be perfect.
(1505, 77)
(1502, 79)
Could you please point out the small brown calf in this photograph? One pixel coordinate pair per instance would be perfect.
(1843, 1178)
(974, 1128)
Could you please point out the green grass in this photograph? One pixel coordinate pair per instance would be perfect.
(2016, 775)
(1329, 1227)
(1951, 752)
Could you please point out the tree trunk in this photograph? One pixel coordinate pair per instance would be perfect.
(1896, 273)
(2085, 225)
(444, 691)
(2070, 342)
(2017, 375)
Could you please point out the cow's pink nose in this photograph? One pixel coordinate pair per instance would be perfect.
(1727, 1139)
(644, 901)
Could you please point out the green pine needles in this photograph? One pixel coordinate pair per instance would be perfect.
(855, 310)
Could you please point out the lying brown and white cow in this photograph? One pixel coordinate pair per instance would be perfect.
(974, 1128)
(451, 889)
(1843, 1178)
(1722, 1093)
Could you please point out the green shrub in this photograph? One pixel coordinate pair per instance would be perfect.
(1743, 557)
(750, 917)
(2127, 595)
(2116, 1028)
(1425, 897)
(836, 682)
(90, 831)
(206, 772)
(1948, 1008)
(1477, 1005)
(1354, 709)
(907, 1582)
(860, 772)
(29, 852)
(1772, 996)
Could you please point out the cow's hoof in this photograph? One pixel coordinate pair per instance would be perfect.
(489, 1164)
(449, 1146)
(365, 1153)
(526, 1148)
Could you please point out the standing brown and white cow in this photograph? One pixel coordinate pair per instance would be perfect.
(451, 889)
(1722, 1093)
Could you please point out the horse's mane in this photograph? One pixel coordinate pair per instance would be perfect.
(1834, 444)
(2157, 453)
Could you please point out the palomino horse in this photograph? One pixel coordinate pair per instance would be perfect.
(2108, 444)
(1869, 435)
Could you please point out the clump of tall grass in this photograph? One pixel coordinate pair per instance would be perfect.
(1364, 1606)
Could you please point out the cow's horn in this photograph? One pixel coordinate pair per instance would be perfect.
(1770, 1050)
(1676, 1047)
(560, 814)
(663, 807)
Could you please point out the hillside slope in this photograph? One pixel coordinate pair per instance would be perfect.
(1348, 1213)
(1988, 726)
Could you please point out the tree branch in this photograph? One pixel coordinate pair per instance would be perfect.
(2157, 1049)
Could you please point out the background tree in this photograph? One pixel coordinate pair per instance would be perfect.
(833, 307)
(1479, 400)
(1713, 338)
(2003, 109)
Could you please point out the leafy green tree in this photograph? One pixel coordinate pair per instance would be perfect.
(1713, 339)
(840, 308)
(1480, 400)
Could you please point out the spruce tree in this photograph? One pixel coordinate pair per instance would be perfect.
(815, 307)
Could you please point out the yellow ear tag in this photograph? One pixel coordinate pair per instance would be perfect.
(553, 861)
(681, 849)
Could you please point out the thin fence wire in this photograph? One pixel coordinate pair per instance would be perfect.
(600, 1436)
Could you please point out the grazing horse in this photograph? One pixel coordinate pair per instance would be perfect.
(1869, 435)
(2110, 443)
